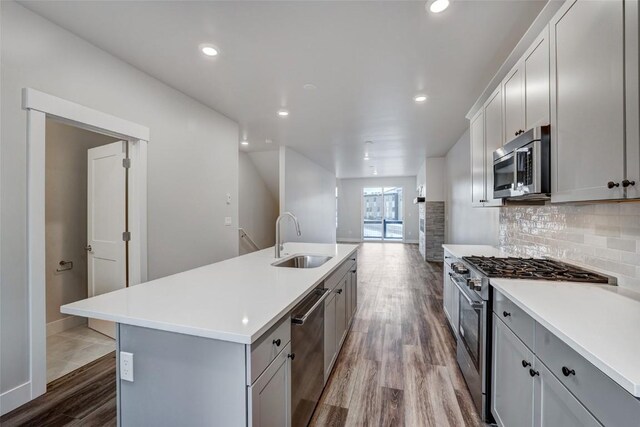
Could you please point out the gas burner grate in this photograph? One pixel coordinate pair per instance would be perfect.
(533, 268)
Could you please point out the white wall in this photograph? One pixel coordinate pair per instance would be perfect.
(432, 176)
(309, 192)
(258, 209)
(350, 205)
(464, 223)
(267, 164)
(66, 213)
(192, 162)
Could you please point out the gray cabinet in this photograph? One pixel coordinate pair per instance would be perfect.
(554, 405)
(493, 139)
(330, 342)
(587, 101)
(535, 65)
(513, 95)
(476, 136)
(269, 397)
(447, 293)
(512, 387)
(352, 295)
(341, 310)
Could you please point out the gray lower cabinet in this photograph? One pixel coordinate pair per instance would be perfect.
(269, 397)
(554, 405)
(341, 310)
(330, 343)
(512, 387)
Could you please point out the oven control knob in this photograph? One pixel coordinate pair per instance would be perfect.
(475, 284)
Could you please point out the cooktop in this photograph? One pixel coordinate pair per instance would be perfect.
(533, 268)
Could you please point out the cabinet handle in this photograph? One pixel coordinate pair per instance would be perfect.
(533, 373)
(566, 371)
(291, 356)
(612, 184)
(277, 342)
(339, 291)
(525, 364)
(506, 314)
(516, 133)
(626, 183)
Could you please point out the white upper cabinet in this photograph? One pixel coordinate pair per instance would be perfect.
(513, 92)
(476, 135)
(587, 101)
(632, 82)
(535, 66)
(493, 139)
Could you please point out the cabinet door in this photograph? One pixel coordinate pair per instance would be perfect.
(270, 395)
(446, 293)
(330, 341)
(348, 295)
(476, 135)
(513, 91)
(511, 383)
(354, 292)
(587, 101)
(632, 83)
(341, 311)
(536, 82)
(493, 138)
(555, 405)
(455, 308)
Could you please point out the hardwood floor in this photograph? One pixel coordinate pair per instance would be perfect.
(397, 366)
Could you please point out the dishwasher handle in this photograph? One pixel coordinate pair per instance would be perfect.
(299, 320)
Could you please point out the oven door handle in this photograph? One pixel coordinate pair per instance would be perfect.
(472, 303)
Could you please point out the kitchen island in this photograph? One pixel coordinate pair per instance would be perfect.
(211, 346)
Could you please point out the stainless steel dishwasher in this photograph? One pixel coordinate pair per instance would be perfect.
(307, 358)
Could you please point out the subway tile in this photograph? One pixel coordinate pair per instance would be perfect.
(621, 244)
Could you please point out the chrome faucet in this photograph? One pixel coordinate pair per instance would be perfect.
(279, 243)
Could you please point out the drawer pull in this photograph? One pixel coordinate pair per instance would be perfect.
(506, 314)
(533, 373)
(291, 356)
(339, 291)
(566, 371)
(277, 342)
(525, 364)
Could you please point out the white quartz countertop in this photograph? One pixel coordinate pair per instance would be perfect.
(459, 251)
(234, 300)
(600, 322)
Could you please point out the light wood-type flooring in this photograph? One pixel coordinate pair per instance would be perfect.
(397, 366)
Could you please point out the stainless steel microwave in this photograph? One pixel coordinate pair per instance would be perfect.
(522, 167)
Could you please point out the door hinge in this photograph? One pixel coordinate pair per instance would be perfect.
(126, 163)
(126, 236)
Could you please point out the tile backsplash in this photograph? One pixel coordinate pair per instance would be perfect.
(604, 236)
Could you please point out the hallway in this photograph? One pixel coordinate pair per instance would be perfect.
(396, 368)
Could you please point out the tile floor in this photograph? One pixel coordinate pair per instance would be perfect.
(73, 348)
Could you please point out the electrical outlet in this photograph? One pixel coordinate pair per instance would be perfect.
(126, 366)
(227, 220)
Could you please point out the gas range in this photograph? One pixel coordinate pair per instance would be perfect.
(476, 271)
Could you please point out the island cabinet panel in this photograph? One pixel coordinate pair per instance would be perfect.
(512, 387)
(269, 397)
(330, 342)
(588, 101)
(555, 405)
(341, 310)
(181, 380)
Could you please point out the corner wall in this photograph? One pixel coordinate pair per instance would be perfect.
(309, 192)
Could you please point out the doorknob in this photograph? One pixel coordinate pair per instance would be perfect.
(88, 248)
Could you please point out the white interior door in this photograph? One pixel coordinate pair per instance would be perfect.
(106, 221)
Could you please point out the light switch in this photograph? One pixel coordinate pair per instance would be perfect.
(227, 220)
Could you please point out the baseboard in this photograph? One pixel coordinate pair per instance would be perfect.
(65, 323)
(348, 240)
(412, 241)
(14, 398)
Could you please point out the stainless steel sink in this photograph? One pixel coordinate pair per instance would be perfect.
(302, 261)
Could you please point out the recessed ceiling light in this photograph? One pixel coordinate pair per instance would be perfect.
(310, 86)
(420, 98)
(283, 113)
(268, 141)
(366, 157)
(245, 142)
(209, 50)
(375, 172)
(437, 6)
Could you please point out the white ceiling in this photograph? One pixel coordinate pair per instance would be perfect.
(367, 58)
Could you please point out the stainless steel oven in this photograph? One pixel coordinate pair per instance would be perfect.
(522, 168)
(473, 348)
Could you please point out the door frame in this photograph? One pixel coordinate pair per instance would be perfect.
(362, 212)
(40, 106)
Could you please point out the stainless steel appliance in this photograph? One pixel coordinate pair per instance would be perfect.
(522, 167)
(307, 355)
(472, 276)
